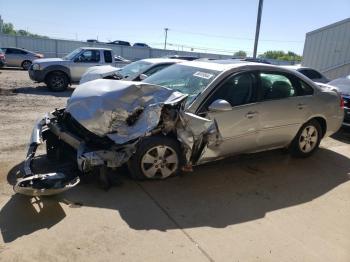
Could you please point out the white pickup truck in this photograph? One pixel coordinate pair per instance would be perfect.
(58, 73)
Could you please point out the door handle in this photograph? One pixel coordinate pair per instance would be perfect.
(251, 114)
(301, 106)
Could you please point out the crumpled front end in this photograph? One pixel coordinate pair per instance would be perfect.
(102, 125)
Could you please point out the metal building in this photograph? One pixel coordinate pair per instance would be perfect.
(328, 49)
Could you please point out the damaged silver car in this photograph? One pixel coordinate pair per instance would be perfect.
(184, 115)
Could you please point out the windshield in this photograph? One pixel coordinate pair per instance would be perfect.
(185, 79)
(71, 55)
(134, 69)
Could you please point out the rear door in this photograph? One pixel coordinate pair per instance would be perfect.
(83, 61)
(239, 125)
(13, 57)
(283, 108)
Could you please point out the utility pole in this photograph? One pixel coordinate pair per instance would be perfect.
(257, 31)
(1, 24)
(166, 36)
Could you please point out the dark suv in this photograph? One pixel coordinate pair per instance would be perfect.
(119, 42)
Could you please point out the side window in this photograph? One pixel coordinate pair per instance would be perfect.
(237, 90)
(312, 74)
(306, 89)
(89, 56)
(276, 86)
(155, 69)
(8, 51)
(108, 56)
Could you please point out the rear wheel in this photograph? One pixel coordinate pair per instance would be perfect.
(307, 140)
(156, 158)
(26, 64)
(57, 81)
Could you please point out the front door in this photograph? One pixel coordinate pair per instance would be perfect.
(82, 62)
(239, 124)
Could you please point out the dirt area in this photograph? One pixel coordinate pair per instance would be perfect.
(260, 207)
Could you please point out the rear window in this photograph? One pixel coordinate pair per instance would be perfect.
(108, 56)
(312, 74)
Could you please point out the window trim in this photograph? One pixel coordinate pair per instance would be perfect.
(201, 108)
(291, 77)
(88, 62)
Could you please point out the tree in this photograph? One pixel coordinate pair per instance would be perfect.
(241, 54)
(281, 55)
(9, 29)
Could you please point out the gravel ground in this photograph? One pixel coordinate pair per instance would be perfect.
(261, 207)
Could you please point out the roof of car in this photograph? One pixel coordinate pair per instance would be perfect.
(295, 67)
(162, 60)
(96, 48)
(223, 65)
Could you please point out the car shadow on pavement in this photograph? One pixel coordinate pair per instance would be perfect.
(218, 195)
(343, 135)
(12, 68)
(43, 90)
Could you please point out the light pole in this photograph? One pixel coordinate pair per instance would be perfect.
(166, 36)
(257, 31)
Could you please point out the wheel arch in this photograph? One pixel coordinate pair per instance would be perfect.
(57, 68)
(323, 123)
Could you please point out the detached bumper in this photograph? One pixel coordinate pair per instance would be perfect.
(41, 184)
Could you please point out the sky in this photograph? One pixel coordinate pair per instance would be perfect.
(220, 26)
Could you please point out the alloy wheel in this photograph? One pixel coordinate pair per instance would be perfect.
(308, 139)
(159, 162)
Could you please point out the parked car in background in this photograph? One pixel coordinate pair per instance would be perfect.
(256, 60)
(141, 45)
(311, 73)
(121, 61)
(58, 73)
(18, 57)
(2, 58)
(184, 115)
(342, 85)
(119, 42)
(135, 71)
(92, 41)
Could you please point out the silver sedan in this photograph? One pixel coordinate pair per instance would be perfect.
(19, 57)
(184, 115)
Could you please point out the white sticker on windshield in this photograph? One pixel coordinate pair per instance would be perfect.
(203, 75)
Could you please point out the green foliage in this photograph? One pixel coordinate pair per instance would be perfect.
(241, 54)
(9, 29)
(281, 55)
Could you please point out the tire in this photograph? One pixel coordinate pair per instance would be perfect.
(157, 157)
(26, 64)
(307, 141)
(57, 81)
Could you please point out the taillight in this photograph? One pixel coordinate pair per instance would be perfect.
(341, 102)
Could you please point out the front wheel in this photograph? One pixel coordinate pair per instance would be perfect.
(157, 157)
(26, 64)
(307, 140)
(57, 81)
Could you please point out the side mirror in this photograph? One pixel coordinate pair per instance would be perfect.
(77, 59)
(220, 105)
(143, 77)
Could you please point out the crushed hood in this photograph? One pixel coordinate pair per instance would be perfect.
(98, 72)
(121, 110)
